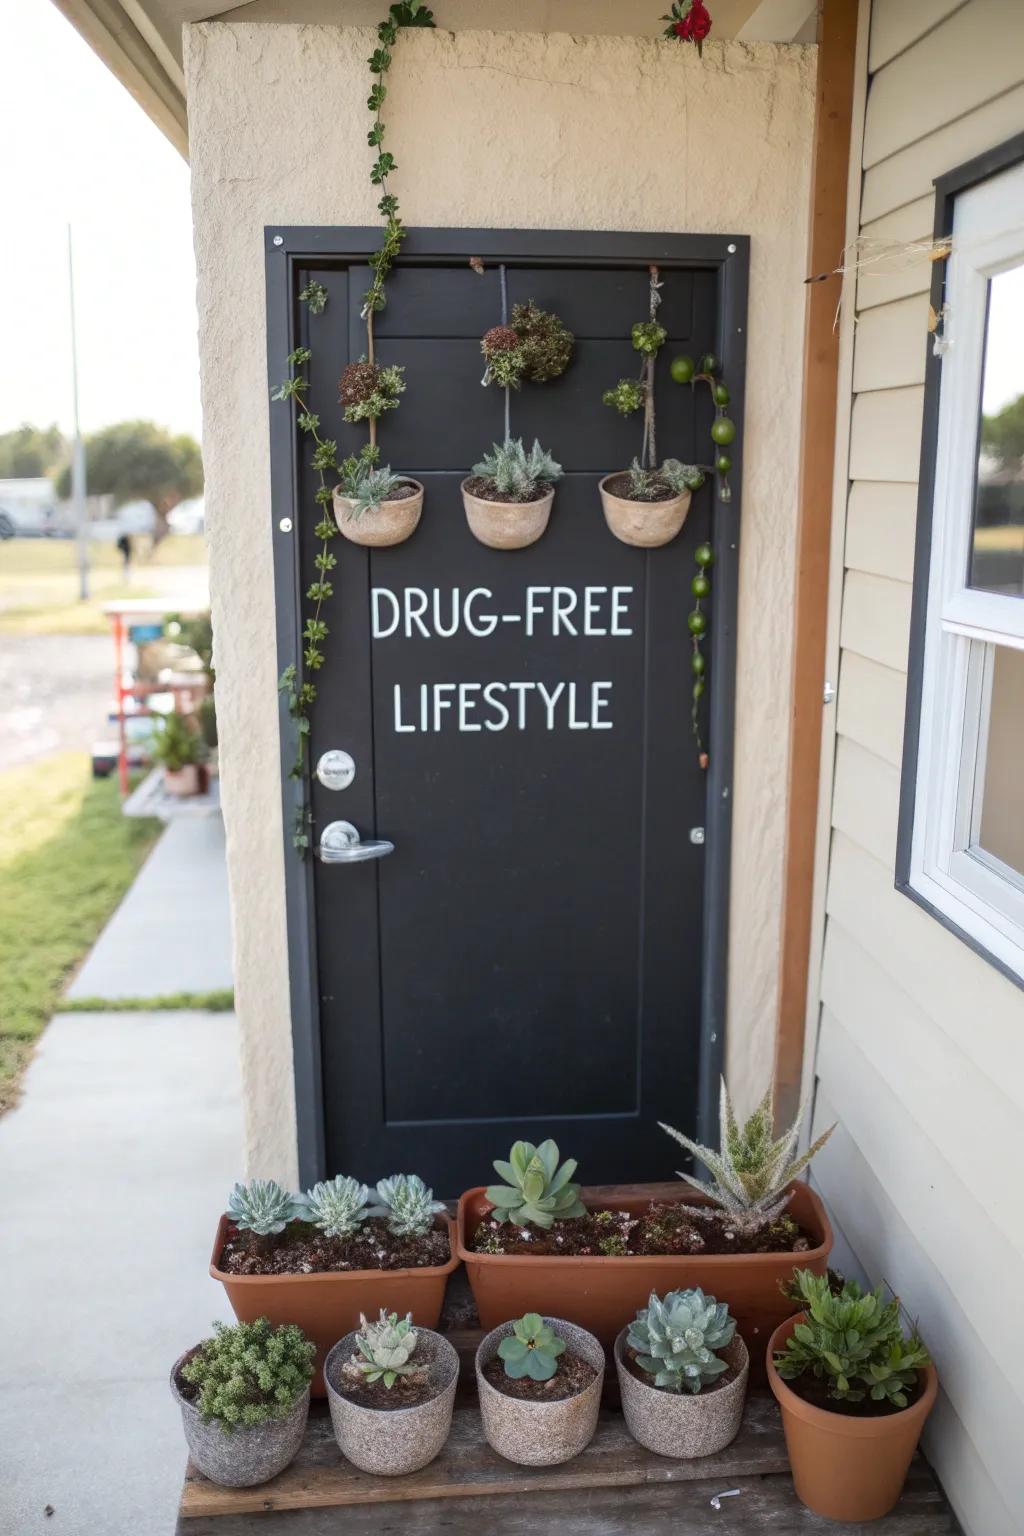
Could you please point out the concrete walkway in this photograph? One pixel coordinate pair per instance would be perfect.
(172, 932)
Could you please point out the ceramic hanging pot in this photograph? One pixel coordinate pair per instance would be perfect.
(507, 524)
(646, 524)
(392, 522)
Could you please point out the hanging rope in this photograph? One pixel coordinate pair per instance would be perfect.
(504, 320)
(649, 449)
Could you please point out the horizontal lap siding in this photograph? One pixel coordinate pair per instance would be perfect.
(920, 1051)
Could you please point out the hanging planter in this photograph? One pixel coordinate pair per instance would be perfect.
(509, 496)
(648, 508)
(374, 507)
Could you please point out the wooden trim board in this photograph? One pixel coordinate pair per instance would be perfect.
(320, 1478)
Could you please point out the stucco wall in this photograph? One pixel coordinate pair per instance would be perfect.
(492, 129)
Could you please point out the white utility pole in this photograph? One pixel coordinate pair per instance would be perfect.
(78, 483)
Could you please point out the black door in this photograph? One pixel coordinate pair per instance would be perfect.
(537, 957)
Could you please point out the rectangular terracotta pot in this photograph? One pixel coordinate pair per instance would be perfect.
(327, 1306)
(603, 1294)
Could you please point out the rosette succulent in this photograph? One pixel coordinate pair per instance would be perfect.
(338, 1206)
(676, 1339)
(536, 1190)
(407, 1204)
(516, 472)
(263, 1207)
(387, 1347)
(531, 1349)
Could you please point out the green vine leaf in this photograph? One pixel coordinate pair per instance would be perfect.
(315, 296)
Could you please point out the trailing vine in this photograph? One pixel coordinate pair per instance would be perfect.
(697, 623)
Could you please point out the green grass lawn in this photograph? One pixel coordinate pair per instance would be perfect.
(67, 856)
(39, 581)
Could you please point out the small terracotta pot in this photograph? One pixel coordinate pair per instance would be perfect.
(647, 524)
(847, 1468)
(327, 1305)
(391, 523)
(184, 782)
(390, 1442)
(684, 1424)
(603, 1294)
(240, 1458)
(537, 1434)
(507, 524)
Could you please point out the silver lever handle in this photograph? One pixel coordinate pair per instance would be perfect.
(340, 843)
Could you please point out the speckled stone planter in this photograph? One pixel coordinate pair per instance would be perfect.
(646, 524)
(541, 1434)
(682, 1425)
(391, 523)
(240, 1458)
(507, 524)
(393, 1441)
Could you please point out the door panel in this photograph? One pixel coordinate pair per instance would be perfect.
(529, 961)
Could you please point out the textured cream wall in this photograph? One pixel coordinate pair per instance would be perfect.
(503, 130)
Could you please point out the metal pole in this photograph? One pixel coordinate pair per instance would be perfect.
(78, 479)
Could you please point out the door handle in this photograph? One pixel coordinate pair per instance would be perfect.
(340, 843)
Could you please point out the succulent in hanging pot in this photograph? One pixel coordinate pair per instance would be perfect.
(683, 1372)
(391, 1389)
(509, 495)
(648, 507)
(373, 506)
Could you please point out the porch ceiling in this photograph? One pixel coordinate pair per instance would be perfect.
(140, 40)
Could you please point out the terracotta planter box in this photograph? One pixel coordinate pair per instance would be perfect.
(847, 1468)
(327, 1306)
(603, 1294)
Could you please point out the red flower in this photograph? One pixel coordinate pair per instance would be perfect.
(682, 29)
(699, 21)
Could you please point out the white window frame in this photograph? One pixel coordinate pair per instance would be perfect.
(948, 867)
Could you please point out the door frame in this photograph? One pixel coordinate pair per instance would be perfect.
(288, 248)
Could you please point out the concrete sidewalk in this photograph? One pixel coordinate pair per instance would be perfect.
(114, 1167)
(172, 932)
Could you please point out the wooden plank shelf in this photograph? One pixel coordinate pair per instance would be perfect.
(320, 1478)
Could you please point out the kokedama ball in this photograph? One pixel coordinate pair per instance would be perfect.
(358, 382)
(500, 338)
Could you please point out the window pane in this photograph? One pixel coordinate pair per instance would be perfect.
(997, 547)
(1001, 830)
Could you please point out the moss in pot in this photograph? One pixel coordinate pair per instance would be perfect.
(683, 1373)
(391, 1389)
(509, 495)
(539, 1380)
(244, 1400)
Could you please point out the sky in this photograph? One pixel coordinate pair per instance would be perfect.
(77, 148)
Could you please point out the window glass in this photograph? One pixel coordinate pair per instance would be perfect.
(1001, 828)
(997, 542)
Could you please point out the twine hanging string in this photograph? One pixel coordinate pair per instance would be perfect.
(504, 320)
(649, 448)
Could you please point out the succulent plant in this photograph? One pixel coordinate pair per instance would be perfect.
(627, 396)
(681, 477)
(516, 472)
(531, 1349)
(506, 360)
(408, 1205)
(853, 1341)
(536, 1190)
(364, 483)
(367, 391)
(643, 483)
(753, 1169)
(676, 1339)
(249, 1373)
(263, 1207)
(387, 1347)
(649, 337)
(546, 343)
(338, 1206)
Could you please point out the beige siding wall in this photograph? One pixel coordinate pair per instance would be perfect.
(919, 1043)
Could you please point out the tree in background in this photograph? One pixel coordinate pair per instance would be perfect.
(138, 461)
(28, 453)
(1003, 434)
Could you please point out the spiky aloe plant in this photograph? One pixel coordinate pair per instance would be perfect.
(753, 1169)
(263, 1207)
(536, 1190)
(517, 473)
(676, 1339)
(407, 1204)
(338, 1206)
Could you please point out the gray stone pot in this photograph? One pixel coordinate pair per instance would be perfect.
(240, 1458)
(541, 1434)
(646, 524)
(682, 1425)
(393, 1441)
(507, 524)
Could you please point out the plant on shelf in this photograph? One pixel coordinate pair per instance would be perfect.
(509, 495)
(537, 1189)
(753, 1171)
(249, 1373)
(677, 1341)
(407, 1205)
(852, 1342)
(177, 745)
(338, 1206)
(386, 1348)
(531, 1349)
(263, 1208)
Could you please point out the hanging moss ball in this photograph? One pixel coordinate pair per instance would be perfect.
(723, 431)
(700, 586)
(682, 369)
(709, 363)
(500, 338)
(723, 463)
(704, 555)
(696, 622)
(648, 337)
(358, 382)
(721, 394)
(547, 344)
(697, 664)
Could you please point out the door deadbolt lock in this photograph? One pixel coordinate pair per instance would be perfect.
(336, 769)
